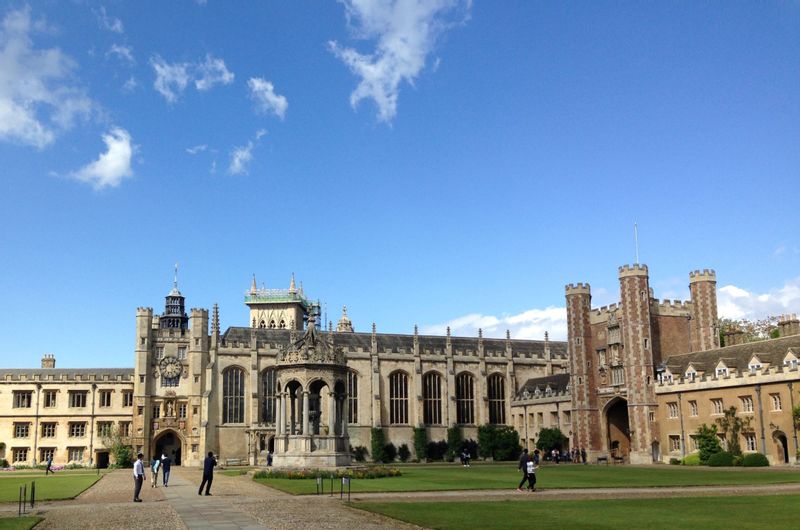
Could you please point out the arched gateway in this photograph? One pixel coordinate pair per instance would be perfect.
(311, 411)
(617, 428)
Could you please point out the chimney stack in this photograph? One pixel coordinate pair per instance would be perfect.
(48, 360)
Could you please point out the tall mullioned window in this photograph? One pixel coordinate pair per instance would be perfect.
(432, 399)
(465, 399)
(398, 398)
(233, 396)
(497, 399)
(268, 387)
(352, 397)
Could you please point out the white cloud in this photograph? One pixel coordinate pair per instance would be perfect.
(737, 303)
(35, 97)
(240, 158)
(212, 72)
(530, 324)
(124, 53)
(263, 92)
(130, 85)
(171, 79)
(196, 149)
(406, 32)
(109, 23)
(112, 166)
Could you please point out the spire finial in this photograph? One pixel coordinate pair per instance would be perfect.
(175, 280)
(292, 286)
(344, 310)
(480, 333)
(374, 328)
(253, 286)
(416, 330)
(448, 331)
(508, 334)
(546, 336)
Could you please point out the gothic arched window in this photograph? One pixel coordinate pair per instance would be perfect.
(233, 395)
(465, 399)
(497, 399)
(398, 398)
(268, 388)
(271, 324)
(432, 398)
(352, 397)
(282, 325)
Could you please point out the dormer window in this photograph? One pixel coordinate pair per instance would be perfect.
(790, 360)
(722, 371)
(690, 375)
(754, 367)
(665, 377)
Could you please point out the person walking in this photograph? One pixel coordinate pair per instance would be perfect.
(531, 472)
(523, 466)
(138, 477)
(49, 465)
(208, 473)
(465, 457)
(154, 465)
(269, 458)
(583, 455)
(166, 464)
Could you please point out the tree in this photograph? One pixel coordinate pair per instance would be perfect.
(500, 442)
(707, 442)
(421, 443)
(119, 447)
(454, 441)
(796, 416)
(731, 426)
(753, 330)
(550, 439)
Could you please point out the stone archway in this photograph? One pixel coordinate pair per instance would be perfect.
(170, 443)
(617, 428)
(781, 447)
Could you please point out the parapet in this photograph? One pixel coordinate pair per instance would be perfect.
(144, 311)
(198, 312)
(637, 269)
(705, 275)
(578, 288)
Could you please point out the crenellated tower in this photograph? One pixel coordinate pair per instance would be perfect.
(704, 330)
(583, 384)
(639, 360)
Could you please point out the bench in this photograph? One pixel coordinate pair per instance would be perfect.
(602, 458)
(619, 459)
(234, 462)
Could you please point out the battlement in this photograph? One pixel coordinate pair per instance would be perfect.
(607, 309)
(791, 317)
(198, 312)
(577, 288)
(144, 311)
(671, 307)
(637, 269)
(705, 275)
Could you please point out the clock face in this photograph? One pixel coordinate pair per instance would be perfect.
(171, 367)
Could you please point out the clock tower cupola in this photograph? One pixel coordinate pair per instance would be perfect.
(174, 316)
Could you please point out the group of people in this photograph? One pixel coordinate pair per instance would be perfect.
(164, 464)
(575, 455)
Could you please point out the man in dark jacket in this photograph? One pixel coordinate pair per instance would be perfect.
(208, 473)
(523, 466)
(166, 464)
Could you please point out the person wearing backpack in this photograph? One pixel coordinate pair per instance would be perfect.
(524, 459)
(530, 469)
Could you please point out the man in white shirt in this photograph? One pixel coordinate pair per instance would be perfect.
(138, 477)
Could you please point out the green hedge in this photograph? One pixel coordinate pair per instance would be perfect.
(378, 445)
(692, 460)
(723, 459)
(755, 460)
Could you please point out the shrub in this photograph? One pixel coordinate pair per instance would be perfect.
(674, 461)
(550, 439)
(3, 462)
(389, 453)
(404, 453)
(692, 460)
(454, 440)
(378, 444)
(755, 460)
(421, 443)
(437, 450)
(359, 453)
(707, 442)
(471, 446)
(721, 459)
(499, 442)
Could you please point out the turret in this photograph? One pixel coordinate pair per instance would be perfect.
(174, 316)
(586, 420)
(788, 325)
(704, 330)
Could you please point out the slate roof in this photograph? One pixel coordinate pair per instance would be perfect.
(397, 343)
(558, 383)
(737, 356)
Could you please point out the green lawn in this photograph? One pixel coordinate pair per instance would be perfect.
(506, 476)
(18, 523)
(58, 486)
(779, 511)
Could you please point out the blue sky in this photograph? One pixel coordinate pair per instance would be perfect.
(433, 164)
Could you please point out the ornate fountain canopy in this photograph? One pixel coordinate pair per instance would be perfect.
(312, 347)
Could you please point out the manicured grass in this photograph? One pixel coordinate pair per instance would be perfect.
(234, 472)
(59, 486)
(506, 476)
(18, 523)
(778, 511)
